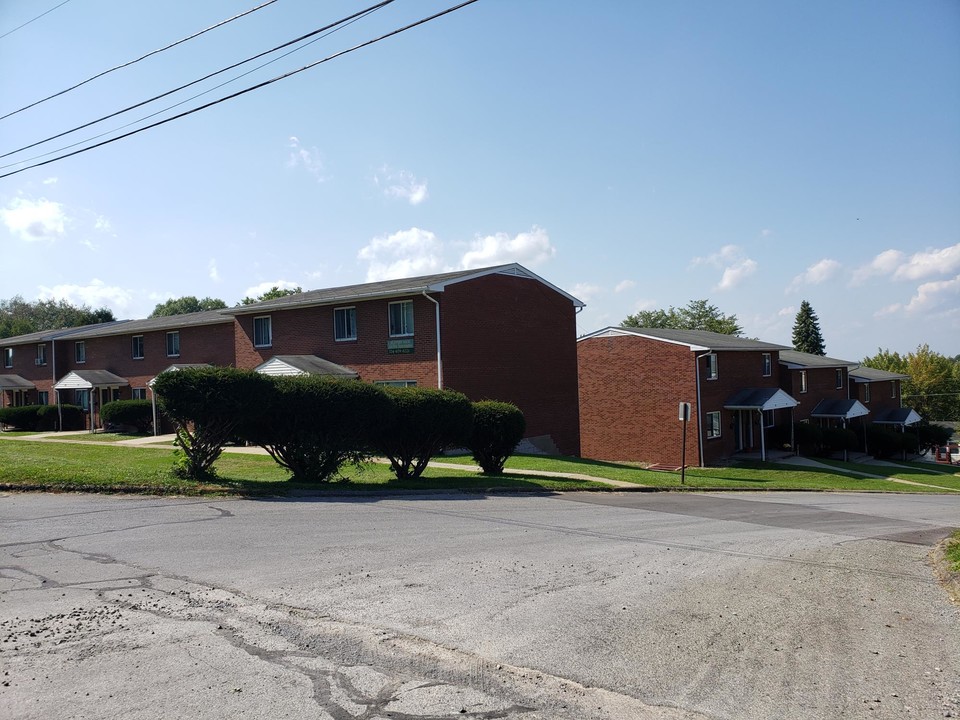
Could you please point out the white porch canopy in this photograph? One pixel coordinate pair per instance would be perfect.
(15, 384)
(840, 409)
(87, 380)
(899, 416)
(304, 365)
(761, 400)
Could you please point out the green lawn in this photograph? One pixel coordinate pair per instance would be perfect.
(94, 437)
(953, 552)
(103, 468)
(745, 476)
(944, 476)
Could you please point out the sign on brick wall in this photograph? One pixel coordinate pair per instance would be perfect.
(401, 346)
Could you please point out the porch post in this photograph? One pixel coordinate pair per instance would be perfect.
(763, 436)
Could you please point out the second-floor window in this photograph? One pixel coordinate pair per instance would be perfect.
(893, 388)
(866, 392)
(401, 318)
(713, 372)
(8, 357)
(41, 354)
(839, 378)
(262, 331)
(345, 323)
(136, 347)
(173, 344)
(803, 381)
(767, 365)
(80, 352)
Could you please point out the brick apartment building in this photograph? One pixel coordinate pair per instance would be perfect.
(632, 381)
(498, 333)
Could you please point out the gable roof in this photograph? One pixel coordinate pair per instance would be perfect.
(898, 416)
(87, 379)
(15, 382)
(845, 409)
(795, 359)
(760, 399)
(304, 365)
(390, 288)
(868, 374)
(696, 340)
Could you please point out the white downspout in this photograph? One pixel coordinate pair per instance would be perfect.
(439, 354)
(696, 370)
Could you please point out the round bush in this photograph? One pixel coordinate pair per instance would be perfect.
(497, 428)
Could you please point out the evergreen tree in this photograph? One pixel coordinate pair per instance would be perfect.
(806, 331)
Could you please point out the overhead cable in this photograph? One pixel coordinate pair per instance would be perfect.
(342, 22)
(246, 90)
(18, 27)
(142, 57)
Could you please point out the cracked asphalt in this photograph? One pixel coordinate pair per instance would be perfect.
(578, 605)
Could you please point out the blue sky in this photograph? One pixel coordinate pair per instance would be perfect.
(638, 155)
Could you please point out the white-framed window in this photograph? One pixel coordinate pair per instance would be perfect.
(139, 393)
(80, 352)
(866, 392)
(401, 318)
(396, 383)
(768, 418)
(173, 343)
(82, 398)
(713, 371)
(41, 354)
(803, 381)
(43, 397)
(839, 378)
(8, 357)
(345, 323)
(893, 388)
(767, 365)
(713, 424)
(136, 347)
(262, 331)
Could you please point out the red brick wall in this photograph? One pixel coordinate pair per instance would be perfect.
(821, 385)
(310, 331)
(514, 339)
(880, 396)
(24, 365)
(630, 389)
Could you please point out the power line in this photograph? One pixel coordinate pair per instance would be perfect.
(249, 89)
(142, 57)
(18, 27)
(342, 22)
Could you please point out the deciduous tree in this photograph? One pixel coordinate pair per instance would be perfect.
(695, 315)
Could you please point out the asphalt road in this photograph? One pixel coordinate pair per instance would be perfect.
(449, 605)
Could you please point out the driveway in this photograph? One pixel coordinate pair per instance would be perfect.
(455, 605)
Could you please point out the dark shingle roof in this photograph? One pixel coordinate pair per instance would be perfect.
(868, 374)
(167, 322)
(387, 288)
(46, 335)
(696, 339)
(839, 409)
(802, 359)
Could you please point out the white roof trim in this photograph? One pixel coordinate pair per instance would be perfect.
(621, 332)
(514, 269)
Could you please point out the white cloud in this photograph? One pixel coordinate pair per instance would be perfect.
(51, 181)
(102, 224)
(930, 262)
(816, 274)
(529, 248)
(788, 311)
(585, 291)
(213, 272)
(736, 266)
(926, 263)
(309, 159)
(403, 254)
(35, 220)
(401, 184)
(96, 294)
(643, 304)
(623, 285)
(258, 290)
(932, 294)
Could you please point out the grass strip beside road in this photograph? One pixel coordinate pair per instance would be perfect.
(946, 476)
(65, 466)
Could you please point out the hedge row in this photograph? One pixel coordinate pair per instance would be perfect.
(42, 417)
(881, 441)
(312, 426)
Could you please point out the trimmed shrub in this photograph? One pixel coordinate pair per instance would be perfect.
(497, 428)
(807, 437)
(42, 417)
(836, 439)
(932, 435)
(132, 413)
(883, 442)
(426, 422)
(208, 405)
(314, 425)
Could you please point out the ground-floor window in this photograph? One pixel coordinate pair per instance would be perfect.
(82, 398)
(396, 383)
(713, 424)
(43, 397)
(139, 393)
(768, 417)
